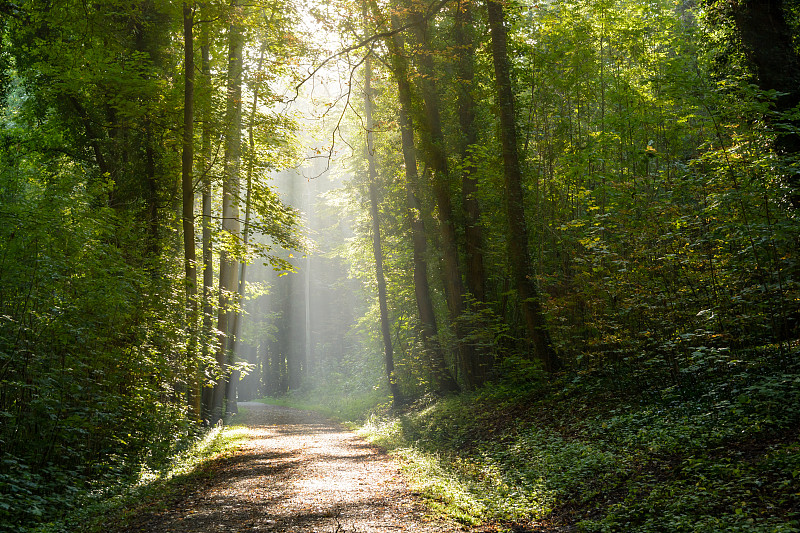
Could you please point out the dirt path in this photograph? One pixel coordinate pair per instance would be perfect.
(298, 473)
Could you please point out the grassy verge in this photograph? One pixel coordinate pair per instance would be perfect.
(351, 408)
(110, 507)
(476, 463)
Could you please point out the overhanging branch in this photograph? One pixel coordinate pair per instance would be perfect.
(432, 10)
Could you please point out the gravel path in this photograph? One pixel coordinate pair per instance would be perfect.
(298, 473)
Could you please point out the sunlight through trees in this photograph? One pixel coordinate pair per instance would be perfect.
(375, 202)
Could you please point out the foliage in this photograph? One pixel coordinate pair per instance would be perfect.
(710, 458)
(656, 201)
(98, 509)
(87, 381)
(97, 353)
(658, 188)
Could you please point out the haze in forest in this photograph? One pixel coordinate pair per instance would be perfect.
(544, 251)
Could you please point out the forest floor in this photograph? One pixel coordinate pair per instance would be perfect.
(296, 472)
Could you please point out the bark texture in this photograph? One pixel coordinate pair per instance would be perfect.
(512, 173)
(187, 189)
(465, 74)
(437, 160)
(228, 268)
(208, 260)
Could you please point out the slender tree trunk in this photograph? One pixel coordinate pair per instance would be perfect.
(153, 200)
(443, 378)
(475, 274)
(230, 211)
(187, 186)
(309, 352)
(153, 223)
(236, 328)
(512, 172)
(296, 353)
(208, 259)
(376, 237)
(291, 309)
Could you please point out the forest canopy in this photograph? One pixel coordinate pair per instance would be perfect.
(386, 201)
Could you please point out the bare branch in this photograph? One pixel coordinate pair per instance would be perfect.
(432, 10)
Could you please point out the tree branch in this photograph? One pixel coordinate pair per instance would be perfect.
(432, 10)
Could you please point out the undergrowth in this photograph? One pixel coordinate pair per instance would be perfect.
(713, 448)
(96, 508)
(717, 453)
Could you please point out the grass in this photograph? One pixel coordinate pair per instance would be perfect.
(427, 472)
(110, 507)
(350, 408)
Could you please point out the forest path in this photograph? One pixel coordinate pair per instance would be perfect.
(297, 472)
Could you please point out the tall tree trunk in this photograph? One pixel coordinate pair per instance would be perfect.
(443, 378)
(769, 43)
(236, 327)
(309, 352)
(518, 232)
(208, 259)
(437, 159)
(229, 266)
(291, 308)
(376, 236)
(187, 186)
(296, 353)
(153, 222)
(475, 275)
(144, 45)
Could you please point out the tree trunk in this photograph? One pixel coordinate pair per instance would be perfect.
(527, 292)
(376, 237)
(208, 259)
(769, 44)
(153, 200)
(187, 186)
(473, 233)
(153, 222)
(237, 314)
(228, 271)
(437, 159)
(442, 376)
(475, 275)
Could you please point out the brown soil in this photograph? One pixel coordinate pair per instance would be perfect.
(297, 473)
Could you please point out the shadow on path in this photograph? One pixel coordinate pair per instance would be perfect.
(296, 473)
